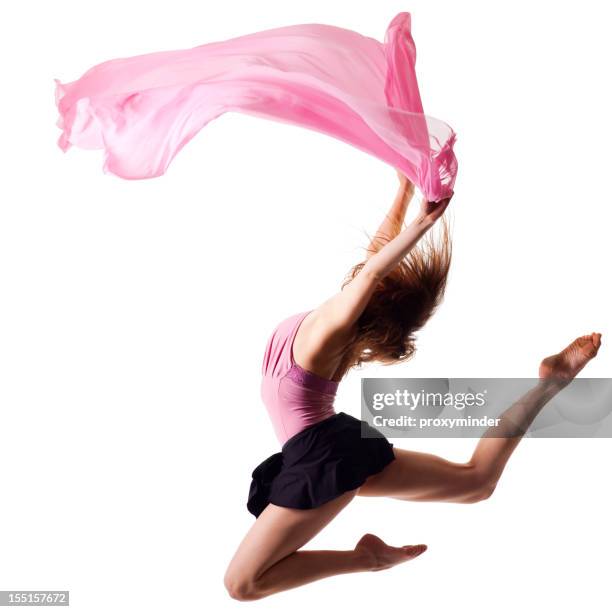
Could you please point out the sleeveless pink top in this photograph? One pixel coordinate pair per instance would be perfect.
(294, 397)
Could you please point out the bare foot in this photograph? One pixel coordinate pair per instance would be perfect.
(566, 364)
(382, 556)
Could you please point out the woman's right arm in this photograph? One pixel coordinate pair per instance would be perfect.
(342, 310)
(333, 321)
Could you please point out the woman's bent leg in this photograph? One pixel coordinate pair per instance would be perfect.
(265, 562)
(424, 477)
(268, 560)
(415, 476)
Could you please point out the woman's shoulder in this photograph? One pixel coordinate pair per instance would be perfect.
(278, 356)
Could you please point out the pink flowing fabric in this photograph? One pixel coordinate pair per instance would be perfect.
(142, 110)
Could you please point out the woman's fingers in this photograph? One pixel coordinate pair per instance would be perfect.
(434, 210)
(442, 204)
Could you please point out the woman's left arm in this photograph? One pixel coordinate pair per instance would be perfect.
(394, 219)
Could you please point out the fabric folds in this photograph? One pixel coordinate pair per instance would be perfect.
(143, 110)
(319, 464)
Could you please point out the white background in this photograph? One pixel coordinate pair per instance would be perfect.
(135, 313)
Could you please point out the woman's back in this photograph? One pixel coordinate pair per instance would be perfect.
(294, 397)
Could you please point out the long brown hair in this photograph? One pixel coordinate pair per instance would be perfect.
(403, 301)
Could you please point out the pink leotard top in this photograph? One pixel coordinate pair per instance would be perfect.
(294, 397)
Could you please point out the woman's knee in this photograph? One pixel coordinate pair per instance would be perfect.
(479, 494)
(240, 587)
(479, 487)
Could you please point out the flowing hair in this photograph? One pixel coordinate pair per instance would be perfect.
(402, 302)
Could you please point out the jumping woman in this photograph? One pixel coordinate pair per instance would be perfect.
(325, 460)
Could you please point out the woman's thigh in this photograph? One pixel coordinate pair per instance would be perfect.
(421, 477)
(278, 532)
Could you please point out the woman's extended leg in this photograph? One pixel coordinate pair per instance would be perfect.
(424, 477)
(268, 560)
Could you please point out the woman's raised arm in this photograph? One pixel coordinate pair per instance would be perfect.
(392, 223)
(340, 312)
(382, 262)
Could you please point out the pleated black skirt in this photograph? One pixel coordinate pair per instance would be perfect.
(319, 464)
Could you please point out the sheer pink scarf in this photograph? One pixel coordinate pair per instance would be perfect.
(142, 110)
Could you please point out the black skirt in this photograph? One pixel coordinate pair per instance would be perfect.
(319, 464)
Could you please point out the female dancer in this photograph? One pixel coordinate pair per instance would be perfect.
(325, 461)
